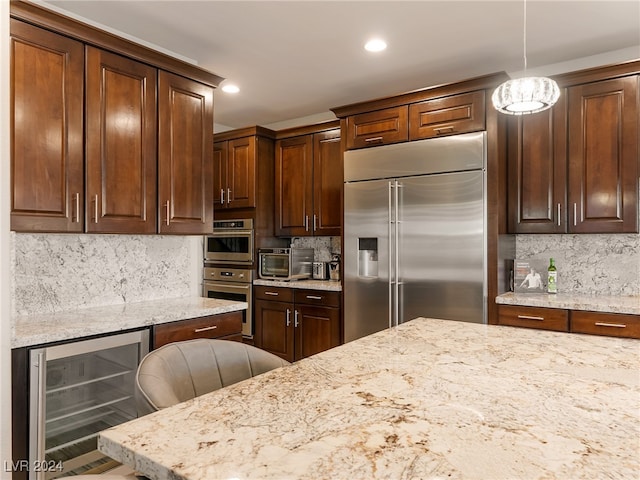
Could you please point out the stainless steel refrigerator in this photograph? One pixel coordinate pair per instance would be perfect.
(414, 233)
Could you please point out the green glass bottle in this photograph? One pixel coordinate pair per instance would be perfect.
(552, 277)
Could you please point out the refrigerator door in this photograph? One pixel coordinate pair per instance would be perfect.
(441, 247)
(367, 300)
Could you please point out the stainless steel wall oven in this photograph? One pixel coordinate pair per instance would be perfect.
(228, 265)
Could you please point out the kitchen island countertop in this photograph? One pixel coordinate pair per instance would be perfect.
(29, 330)
(573, 301)
(427, 399)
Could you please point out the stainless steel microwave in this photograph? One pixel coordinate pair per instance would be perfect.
(230, 243)
(285, 263)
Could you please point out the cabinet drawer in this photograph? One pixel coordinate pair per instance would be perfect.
(447, 115)
(275, 294)
(318, 297)
(213, 326)
(534, 317)
(390, 125)
(610, 324)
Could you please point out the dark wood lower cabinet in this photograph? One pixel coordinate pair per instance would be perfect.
(574, 321)
(296, 324)
(225, 326)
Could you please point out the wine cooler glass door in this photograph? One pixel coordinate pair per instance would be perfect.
(77, 390)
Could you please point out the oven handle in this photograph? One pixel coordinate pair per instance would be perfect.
(227, 287)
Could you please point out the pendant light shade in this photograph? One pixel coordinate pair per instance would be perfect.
(525, 95)
(521, 96)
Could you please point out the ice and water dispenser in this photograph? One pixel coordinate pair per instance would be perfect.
(368, 257)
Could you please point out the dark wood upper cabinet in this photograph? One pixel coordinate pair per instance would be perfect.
(47, 85)
(603, 156)
(185, 155)
(120, 144)
(390, 125)
(574, 168)
(308, 184)
(235, 173)
(451, 115)
(538, 171)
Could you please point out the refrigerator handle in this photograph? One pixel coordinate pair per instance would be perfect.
(396, 255)
(390, 242)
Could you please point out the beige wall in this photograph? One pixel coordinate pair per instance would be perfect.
(5, 328)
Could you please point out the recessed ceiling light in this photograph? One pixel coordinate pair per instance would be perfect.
(230, 88)
(375, 45)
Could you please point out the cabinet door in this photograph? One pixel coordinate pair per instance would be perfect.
(447, 115)
(603, 156)
(47, 84)
(185, 155)
(317, 329)
(274, 328)
(120, 144)
(219, 174)
(327, 183)
(381, 127)
(294, 186)
(241, 161)
(537, 171)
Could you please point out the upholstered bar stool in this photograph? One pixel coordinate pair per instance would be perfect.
(180, 371)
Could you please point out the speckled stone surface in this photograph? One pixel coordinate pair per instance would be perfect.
(430, 399)
(59, 272)
(28, 330)
(573, 301)
(330, 285)
(588, 264)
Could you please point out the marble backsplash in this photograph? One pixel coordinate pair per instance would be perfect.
(323, 247)
(57, 272)
(588, 264)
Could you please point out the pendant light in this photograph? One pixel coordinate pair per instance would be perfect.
(525, 95)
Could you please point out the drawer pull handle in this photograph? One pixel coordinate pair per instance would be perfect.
(614, 325)
(447, 129)
(529, 317)
(373, 139)
(314, 297)
(273, 294)
(205, 329)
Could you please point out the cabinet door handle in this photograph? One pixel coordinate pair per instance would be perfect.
(288, 317)
(529, 317)
(229, 196)
(166, 206)
(575, 214)
(613, 325)
(447, 129)
(295, 316)
(315, 222)
(205, 329)
(273, 294)
(76, 198)
(306, 223)
(558, 211)
(95, 208)
(222, 196)
(314, 297)
(374, 140)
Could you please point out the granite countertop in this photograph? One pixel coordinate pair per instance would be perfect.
(570, 301)
(329, 285)
(29, 330)
(427, 399)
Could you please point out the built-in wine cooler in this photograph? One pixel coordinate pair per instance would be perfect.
(77, 390)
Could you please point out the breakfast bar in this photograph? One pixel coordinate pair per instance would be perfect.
(427, 399)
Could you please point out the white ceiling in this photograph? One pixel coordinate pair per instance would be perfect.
(296, 59)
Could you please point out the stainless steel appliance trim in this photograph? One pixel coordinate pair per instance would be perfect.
(37, 410)
(241, 288)
(390, 231)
